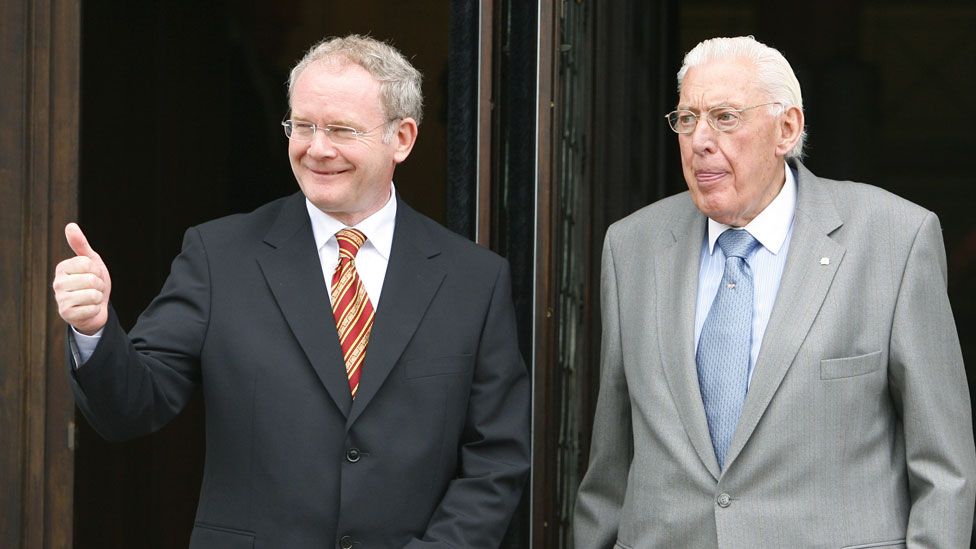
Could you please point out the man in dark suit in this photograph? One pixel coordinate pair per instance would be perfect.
(406, 426)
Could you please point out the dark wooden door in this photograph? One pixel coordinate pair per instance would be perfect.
(38, 184)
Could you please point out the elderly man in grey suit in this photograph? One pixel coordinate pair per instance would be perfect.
(780, 366)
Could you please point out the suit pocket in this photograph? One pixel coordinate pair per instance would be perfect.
(839, 368)
(895, 543)
(621, 545)
(437, 366)
(206, 536)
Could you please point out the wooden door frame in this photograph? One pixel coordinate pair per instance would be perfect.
(489, 172)
(544, 420)
(39, 129)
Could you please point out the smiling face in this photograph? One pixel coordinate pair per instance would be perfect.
(350, 181)
(734, 175)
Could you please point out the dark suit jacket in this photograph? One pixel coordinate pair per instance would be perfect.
(433, 452)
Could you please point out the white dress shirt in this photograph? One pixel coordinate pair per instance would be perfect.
(373, 257)
(773, 228)
(371, 261)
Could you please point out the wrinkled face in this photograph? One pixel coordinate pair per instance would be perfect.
(349, 181)
(734, 175)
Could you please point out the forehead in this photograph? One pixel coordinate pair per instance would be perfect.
(719, 83)
(331, 85)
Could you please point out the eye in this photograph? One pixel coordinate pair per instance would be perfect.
(302, 128)
(342, 133)
(687, 118)
(726, 116)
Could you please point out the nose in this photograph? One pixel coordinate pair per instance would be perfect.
(703, 137)
(321, 146)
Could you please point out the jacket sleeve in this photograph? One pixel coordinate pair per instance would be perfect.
(928, 385)
(132, 386)
(494, 454)
(602, 491)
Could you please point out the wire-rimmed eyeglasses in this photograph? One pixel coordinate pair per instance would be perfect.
(300, 130)
(722, 118)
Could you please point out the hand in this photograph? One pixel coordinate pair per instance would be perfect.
(82, 285)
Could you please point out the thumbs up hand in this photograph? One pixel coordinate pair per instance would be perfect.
(82, 285)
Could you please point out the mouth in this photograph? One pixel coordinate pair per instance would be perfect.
(326, 173)
(707, 176)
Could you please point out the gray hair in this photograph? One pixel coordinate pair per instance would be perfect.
(774, 73)
(400, 92)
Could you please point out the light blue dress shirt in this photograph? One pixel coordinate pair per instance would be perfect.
(773, 228)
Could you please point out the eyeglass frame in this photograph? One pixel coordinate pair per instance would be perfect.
(329, 129)
(708, 118)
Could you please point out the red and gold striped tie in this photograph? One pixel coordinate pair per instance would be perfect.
(351, 307)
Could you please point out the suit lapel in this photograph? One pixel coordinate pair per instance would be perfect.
(412, 278)
(803, 288)
(676, 275)
(294, 273)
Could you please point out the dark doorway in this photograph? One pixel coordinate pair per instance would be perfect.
(180, 107)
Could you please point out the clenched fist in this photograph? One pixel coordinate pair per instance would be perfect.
(82, 285)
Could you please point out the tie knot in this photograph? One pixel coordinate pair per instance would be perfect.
(350, 240)
(737, 243)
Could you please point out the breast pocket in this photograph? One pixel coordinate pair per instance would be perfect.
(437, 366)
(839, 368)
(206, 536)
(898, 543)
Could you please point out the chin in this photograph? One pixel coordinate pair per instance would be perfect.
(321, 198)
(720, 215)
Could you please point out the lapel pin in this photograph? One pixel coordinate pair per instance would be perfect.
(825, 261)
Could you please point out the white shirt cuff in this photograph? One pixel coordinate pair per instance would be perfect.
(82, 346)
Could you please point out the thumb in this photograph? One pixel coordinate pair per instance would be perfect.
(78, 242)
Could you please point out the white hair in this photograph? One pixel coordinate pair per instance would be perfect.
(774, 74)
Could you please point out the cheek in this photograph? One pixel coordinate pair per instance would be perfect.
(687, 155)
(295, 151)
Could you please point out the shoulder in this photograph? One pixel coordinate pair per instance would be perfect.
(255, 225)
(855, 199)
(262, 217)
(862, 206)
(870, 222)
(459, 251)
(236, 237)
(655, 221)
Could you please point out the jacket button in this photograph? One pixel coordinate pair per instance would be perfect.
(345, 542)
(724, 500)
(352, 456)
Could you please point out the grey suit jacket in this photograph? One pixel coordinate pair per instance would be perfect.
(856, 431)
(432, 453)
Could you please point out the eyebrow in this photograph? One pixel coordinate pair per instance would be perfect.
(721, 104)
(340, 122)
(343, 123)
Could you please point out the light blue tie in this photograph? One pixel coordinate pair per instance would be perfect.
(724, 346)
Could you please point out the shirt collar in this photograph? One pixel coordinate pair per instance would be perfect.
(378, 227)
(772, 225)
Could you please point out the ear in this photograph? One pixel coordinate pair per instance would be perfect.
(790, 129)
(404, 138)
